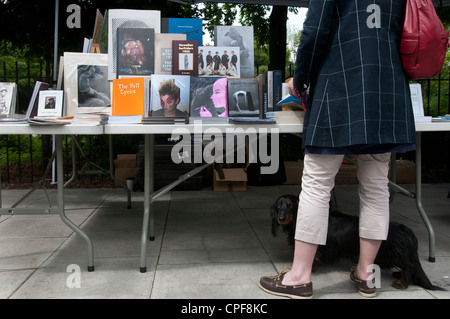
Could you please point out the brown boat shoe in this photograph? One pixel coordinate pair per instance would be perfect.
(363, 289)
(273, 285)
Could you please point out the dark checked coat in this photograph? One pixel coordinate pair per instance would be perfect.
(349, 56)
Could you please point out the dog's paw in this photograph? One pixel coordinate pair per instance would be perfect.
(399, 284)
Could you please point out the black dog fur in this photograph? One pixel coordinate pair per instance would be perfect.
(398, 251)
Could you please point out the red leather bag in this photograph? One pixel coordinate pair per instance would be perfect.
(424, 41)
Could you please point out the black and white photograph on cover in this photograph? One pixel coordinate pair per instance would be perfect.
(243, 97)
(209, 97)
(127, 18)
(136, 54)
(50, 103)
(219, 61)
(86, 85)
(8, 97)
(186, 61)
(169, 95)
(242, 37)
(93, 90)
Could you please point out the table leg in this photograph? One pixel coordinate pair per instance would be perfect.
(148, 190)
(60, 190)
(422, 212)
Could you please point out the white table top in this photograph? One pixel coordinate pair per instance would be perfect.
(85, 129)
(204, 127)
(68, 129)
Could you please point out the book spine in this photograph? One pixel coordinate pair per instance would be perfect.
(277, 92)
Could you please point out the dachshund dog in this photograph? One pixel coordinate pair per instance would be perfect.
(398, 251)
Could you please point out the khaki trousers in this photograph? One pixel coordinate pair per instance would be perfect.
(317, 182)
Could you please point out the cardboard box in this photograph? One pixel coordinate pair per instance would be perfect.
(405, 172)
(294, 172)
(125, 167)
(235, 180)
(346, 175)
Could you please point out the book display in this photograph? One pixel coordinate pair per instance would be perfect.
(155, 70)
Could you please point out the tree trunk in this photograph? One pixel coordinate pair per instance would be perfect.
(278, 38)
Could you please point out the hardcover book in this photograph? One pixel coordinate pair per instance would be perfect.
(8, 97)
(184, 57)
(163, 51)
(242, 37)
(124, 18)
(128, 96)
(219, 61)
(169, 96)
(50, 103)
(136, 51)
(34, 101)
(209, 97)
(191, 27)
(243, 98)
(86, 87)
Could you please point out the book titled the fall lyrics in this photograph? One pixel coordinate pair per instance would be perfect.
(128, 96)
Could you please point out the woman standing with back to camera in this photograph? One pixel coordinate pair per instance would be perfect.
(359, 104)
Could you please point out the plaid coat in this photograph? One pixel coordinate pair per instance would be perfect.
(349, 58)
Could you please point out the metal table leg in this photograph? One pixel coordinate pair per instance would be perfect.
(422, 212)
(68, 222)
(148, 190)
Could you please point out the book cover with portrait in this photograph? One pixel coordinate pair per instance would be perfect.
(169, 95)
(209, 97)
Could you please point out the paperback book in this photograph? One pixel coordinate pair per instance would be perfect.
(128, 96)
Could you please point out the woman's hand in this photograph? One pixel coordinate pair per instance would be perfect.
(291, 88)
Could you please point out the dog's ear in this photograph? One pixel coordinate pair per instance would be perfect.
(274, 215)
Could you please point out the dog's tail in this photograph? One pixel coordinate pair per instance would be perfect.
(420, 278)
(418, 275)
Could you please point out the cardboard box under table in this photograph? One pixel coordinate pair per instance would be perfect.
(235, 180)
(125, 167)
